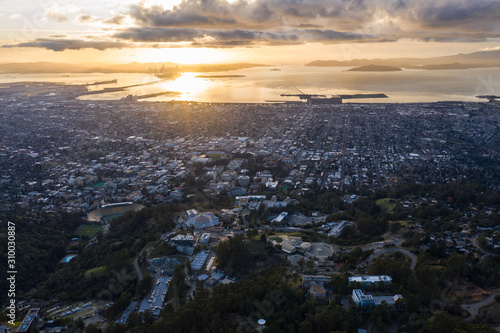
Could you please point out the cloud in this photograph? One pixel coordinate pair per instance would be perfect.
(15, 16)
(242, 14)
(496, 48)
(70, 44)
(86, 18)
(220, 23)
(116, 19)
(188, 15)
(55, 16)
(239, 37)
(452, 14)
(409, 19)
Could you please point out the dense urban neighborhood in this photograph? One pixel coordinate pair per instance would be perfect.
(287, 217)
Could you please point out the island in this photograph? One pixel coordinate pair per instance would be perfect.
(375, 68)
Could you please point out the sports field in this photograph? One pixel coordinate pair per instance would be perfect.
(109, 212)
(88, 230)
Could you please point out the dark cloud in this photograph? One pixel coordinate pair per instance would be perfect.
(159, 34)
(70, 44)
(210, 36)
(452, 14)
(335, 36)
(188, 15)
(260, 13)
(409, 19)
(219, 23)
(239, 37)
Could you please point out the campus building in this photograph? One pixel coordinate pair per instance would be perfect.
(29, 321)
(369, 302)
(370, 280)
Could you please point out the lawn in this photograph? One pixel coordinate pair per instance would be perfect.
(277, 239)
(95, 272)
(387, 204)
(88, 230)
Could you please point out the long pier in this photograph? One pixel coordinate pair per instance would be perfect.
(114, 89)
(98, 83)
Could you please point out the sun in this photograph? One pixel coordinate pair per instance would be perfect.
(188, 85)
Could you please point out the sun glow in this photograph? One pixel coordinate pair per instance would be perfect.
(188, 85)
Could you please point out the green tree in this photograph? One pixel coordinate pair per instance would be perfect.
(443, 322)
(457, 266)
(395, 227)
(306, 327)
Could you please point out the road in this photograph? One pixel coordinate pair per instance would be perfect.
(393, 250)
(138, 270)
(191, 283)
(344, 144)
(372, 150)
(473, 240)
(473, 308)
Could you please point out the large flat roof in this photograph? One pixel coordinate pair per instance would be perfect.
(371, 279)
(199, 260)
(155, 300)
(28, 320)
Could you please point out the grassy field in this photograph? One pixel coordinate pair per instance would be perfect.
(277, 239)
(88, 230)
(387, 204)
(95, 271)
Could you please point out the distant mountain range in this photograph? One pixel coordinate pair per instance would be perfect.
(135, 67)
(459, 61)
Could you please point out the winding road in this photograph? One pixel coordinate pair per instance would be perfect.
(473, 308)
(138, 270)
(473, 240)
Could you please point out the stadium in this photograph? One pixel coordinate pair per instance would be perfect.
(201, 220)
(108, 212)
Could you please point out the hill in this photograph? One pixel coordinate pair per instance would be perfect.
(455, 65)
(375, 68)
(472, 60)
(134, 67)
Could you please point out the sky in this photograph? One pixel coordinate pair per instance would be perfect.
(258, 31)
